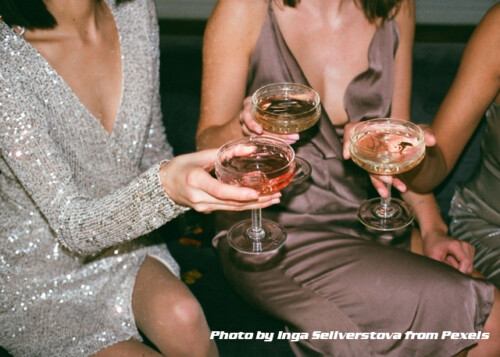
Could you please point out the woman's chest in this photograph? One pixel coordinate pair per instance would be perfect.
(330, 56)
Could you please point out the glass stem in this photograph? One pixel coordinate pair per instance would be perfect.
(386, 201)
(385, 209)
(256, 232)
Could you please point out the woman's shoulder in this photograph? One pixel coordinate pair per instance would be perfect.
(240, 12)
(236, 23)
(486, 36)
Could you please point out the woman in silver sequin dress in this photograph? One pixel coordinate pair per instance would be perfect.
(86, 176)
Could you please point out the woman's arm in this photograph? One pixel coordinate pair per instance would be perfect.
(436, 243)
(476, 85)
(231, 33)
(401, 97)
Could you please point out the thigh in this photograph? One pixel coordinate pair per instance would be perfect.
(156, 290)
(327, 281)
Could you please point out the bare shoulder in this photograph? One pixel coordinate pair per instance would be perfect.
(406, 10)
(237, 17)
(486, 38)
(405, 18)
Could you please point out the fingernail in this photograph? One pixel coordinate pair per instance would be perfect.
(294, 136)
(381, 192)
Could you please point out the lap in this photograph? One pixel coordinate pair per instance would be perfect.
(324, 281)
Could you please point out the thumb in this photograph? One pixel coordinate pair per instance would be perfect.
(204, 158)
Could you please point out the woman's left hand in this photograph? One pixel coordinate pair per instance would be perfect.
(441, 247)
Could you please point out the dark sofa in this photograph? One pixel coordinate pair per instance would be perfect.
(435, 65)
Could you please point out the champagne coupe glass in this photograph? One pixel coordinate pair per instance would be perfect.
(285, 108)
(386, 146)
(267, 165)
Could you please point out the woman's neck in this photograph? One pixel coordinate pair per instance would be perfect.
(76, 18)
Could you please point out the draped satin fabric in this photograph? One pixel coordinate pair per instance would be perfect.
(332, 275)
(475, 208)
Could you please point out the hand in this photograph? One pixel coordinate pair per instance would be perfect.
(187, 182)
(380, 182)
(250, 127)
(441, 247)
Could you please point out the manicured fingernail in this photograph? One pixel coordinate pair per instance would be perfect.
(381, 192)
(294, 136)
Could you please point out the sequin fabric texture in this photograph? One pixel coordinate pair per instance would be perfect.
(78, 205)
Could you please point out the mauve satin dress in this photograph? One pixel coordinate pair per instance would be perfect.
(331, 274)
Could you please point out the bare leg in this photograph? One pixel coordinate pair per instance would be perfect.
(130, 348)
(168, 314)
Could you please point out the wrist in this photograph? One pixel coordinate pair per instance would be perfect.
(431, 233)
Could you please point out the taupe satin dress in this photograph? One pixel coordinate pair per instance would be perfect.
(475, 208)
(331, 275)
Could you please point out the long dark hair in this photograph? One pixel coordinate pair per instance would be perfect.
(30, 14)
(373, 9)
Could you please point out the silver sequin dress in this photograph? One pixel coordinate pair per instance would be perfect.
(77, 205)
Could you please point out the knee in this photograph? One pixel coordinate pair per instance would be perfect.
(186, 313)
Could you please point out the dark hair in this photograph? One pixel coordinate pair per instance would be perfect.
(30, 14)
(373, 9)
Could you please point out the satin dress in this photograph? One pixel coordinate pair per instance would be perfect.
(332, 275)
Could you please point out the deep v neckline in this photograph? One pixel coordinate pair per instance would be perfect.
(93, 120)
(304, 77)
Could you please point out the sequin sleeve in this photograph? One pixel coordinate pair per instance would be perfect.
(157, 146)
(82, 224)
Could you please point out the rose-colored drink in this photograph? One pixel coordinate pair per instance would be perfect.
(264, 172)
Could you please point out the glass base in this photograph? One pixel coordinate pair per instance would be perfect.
(273, 237)
(397, 215)
(302, 171)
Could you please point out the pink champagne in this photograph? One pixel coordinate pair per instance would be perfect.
(386, 150)
(284, 115)
(264, 172)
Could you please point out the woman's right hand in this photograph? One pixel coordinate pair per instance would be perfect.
(187, 181)
(380, 182)
(250, 127)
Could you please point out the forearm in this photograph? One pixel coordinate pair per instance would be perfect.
(429, 173)
(427, 213)
(217, 135)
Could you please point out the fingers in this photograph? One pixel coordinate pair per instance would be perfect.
(250, 127)
(288, 138)
(430, 138)
(210, 207)
(461, 256)
(247, 121)
(221, 191)
(399, 185)
(346, 153)
(210, 194)
(204, 158)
